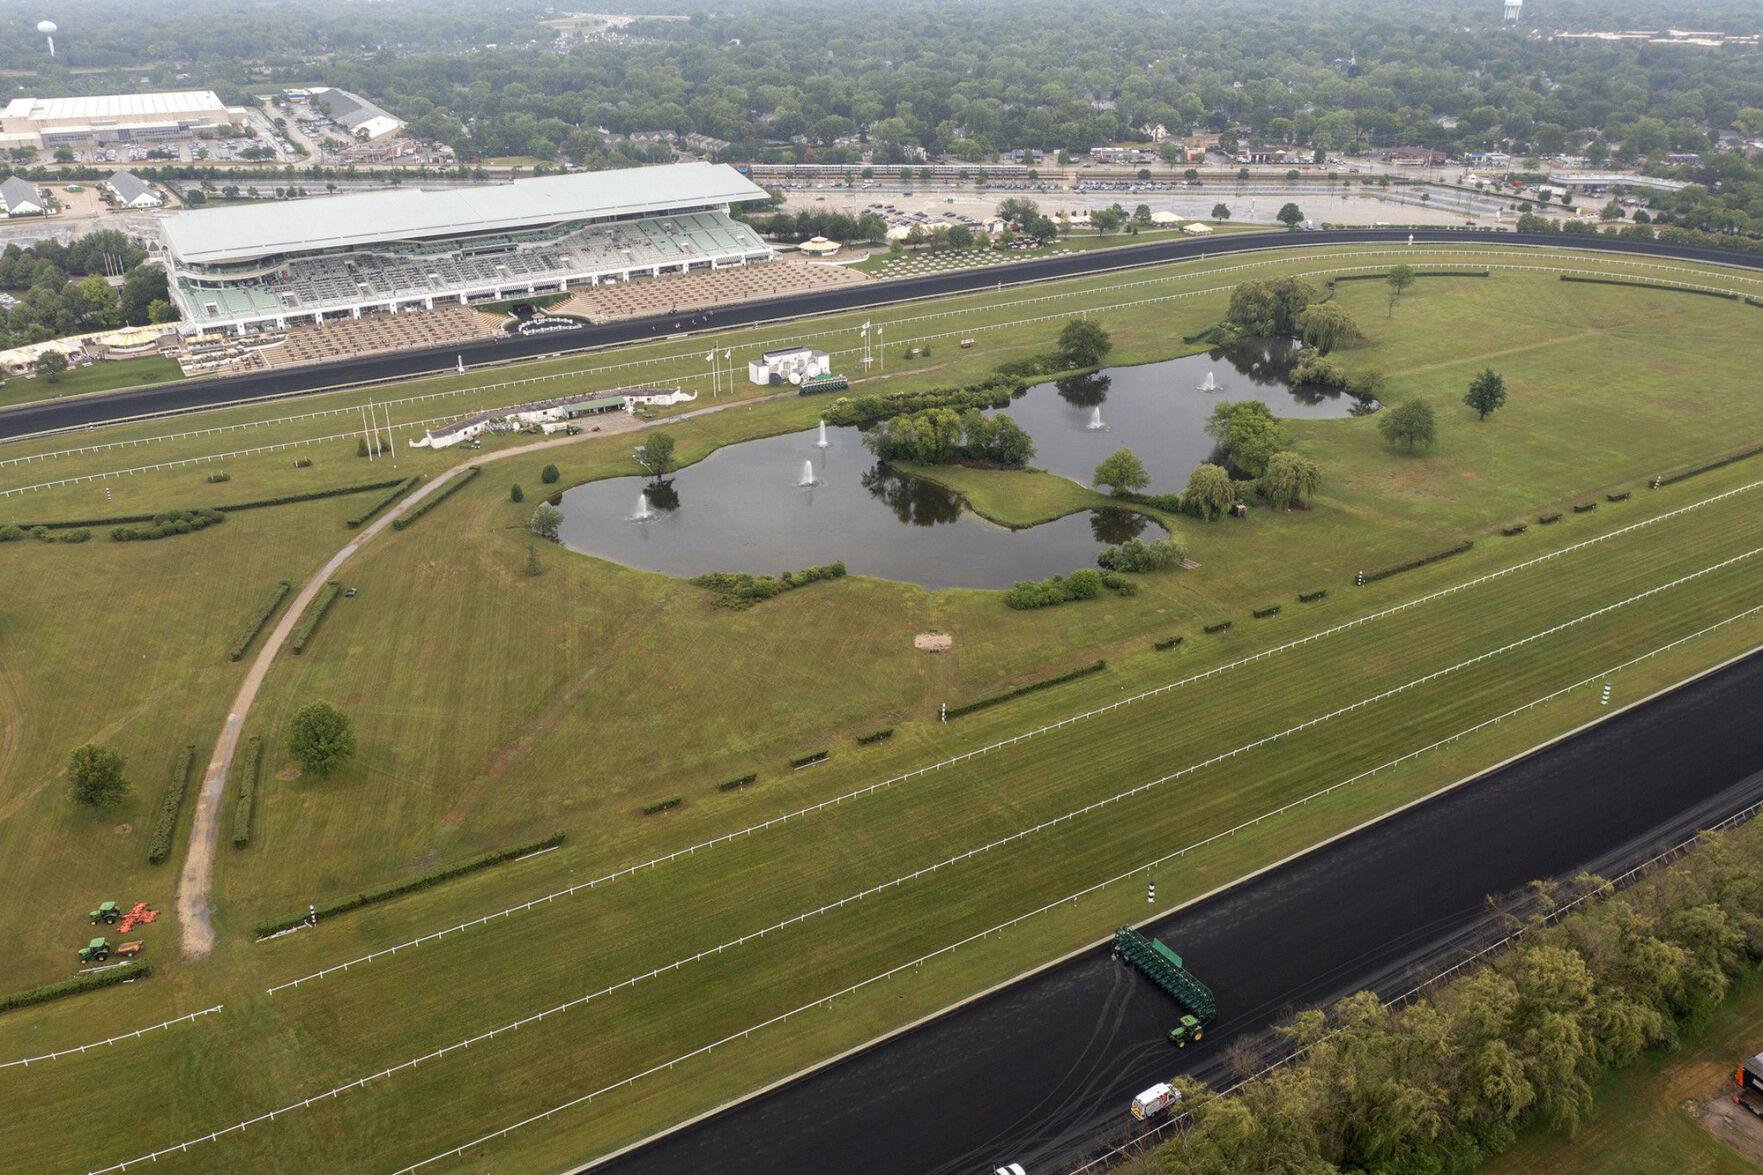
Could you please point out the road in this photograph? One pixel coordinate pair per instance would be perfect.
(194, 395)
(1041, 1072)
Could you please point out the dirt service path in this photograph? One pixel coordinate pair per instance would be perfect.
(196, 880)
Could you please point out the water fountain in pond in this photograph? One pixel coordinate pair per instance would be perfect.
(822, 442)
(1096, 424)
(807, 479)
(644, 512)
(1210, 384)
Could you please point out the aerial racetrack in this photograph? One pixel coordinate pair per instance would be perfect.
(618, 984)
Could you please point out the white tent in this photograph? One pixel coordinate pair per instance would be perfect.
(1165, 217)
(1197, 229)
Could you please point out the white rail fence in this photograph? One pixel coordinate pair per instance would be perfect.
(78, 1050)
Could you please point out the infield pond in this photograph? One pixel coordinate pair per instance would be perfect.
(786, 502)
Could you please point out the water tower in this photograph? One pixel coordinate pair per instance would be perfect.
(1511, 10)
(47, 28)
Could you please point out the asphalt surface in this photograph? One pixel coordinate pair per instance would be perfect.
(197, 394)
(1042, 1072)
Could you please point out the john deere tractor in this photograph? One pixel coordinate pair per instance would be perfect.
(106, 913)
(95, 951)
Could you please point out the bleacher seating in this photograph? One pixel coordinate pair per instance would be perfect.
(702, 289)
(339, 339)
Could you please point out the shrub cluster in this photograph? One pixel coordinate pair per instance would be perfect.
(265, 610)
(169, 523)
(1312, 597)
(309, 623)
(810, 759)
(661, 805)
(737, 589)
(1549, 519)
(165, 821)
(1410, 565)
(1138, 555)
(1019, 691)
(1452, 1078)
(74, 986)
(398, 490)
(14, 534)
(433, 877)
(247, 766)
(1584, 507)
(875, 736)
(1706, 467)
(1035, 367)
(1163, 646)
(738, 782)
(436, 498)
(867, 409)
(1264, 613)
(1221, 626)
(1085, 583)
(217, 478)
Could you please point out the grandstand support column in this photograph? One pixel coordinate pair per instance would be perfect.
(354, 312)
(464, 300)
(428, 302)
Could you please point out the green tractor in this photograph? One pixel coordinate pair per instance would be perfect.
(95, 951)
(1188, 1029)
(107, 913)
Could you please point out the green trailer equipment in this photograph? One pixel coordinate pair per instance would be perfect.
(1163, 967)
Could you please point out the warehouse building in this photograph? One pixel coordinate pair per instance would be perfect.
(362, 119)
(265, 266)
(47, 123)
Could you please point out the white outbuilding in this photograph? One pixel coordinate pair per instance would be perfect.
(819, 247)
(20, 197)
(794, 365)
(131, 191)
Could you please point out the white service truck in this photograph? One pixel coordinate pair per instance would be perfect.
(1155, 1100)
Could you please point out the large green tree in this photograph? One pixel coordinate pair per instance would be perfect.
(1289, 477)
(319, 738)
(1290, 215)
(655, 454)
(1083, 343)
(1327, 325)
(1410, 423)
(1210, 491)
(1399, 278)
(1122, 472)
(95, 775)
(1486, 394)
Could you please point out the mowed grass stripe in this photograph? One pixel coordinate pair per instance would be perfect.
(850, 946)
(878, 840)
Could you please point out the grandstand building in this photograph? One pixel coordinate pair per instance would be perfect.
(268, 266)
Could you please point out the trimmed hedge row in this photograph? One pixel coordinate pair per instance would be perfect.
(1312, 597)
(1019, 691)
(1264, 613)
(1221, 626)
(661, 805)
(436, 498)
(1516, 529)
(309, 622)
(742, 781)
(1669, 478)
(1164, 646)
(738, 589)
(165, 822)
(397, 491)
(875, 736)
(1362, 277)
(1549, 519)
(248, 767)
(1624, 496)
(434, 877)
(1584, 507)
(1616, 281)
(74, 986)
(225, 508)
(810, 760)
(1366, 577)
(265, 610)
